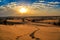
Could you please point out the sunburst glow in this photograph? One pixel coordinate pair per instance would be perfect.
(23, 10)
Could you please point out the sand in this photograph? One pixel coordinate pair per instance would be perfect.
(23, 32)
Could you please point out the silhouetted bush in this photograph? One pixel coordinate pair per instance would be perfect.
(37, 38)
(33, 20)
(5, 22)
(58, 23)
(49, 23)
(54, 23)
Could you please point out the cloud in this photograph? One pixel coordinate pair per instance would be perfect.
(8, 10)
(12, 9)
(41, 1)
(0, 0)
(54, 3)
(46, 8)
(40, 5)
(44, 4)
(11, 5)
(36, 9)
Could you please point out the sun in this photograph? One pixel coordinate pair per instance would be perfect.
(23, 10)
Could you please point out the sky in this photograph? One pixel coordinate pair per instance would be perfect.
(35, 7)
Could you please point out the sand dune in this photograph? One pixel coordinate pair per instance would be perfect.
(23, 31)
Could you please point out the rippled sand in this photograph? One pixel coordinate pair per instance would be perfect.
(24, 31)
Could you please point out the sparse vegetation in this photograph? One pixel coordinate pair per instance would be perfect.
(48, 20)
(28, 31)
(58, 23)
